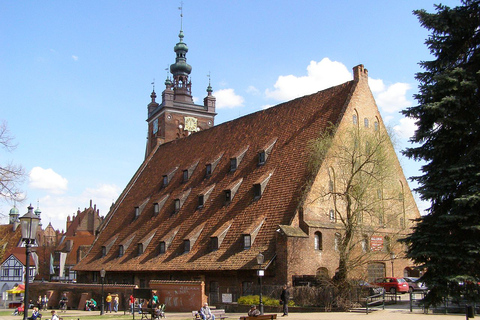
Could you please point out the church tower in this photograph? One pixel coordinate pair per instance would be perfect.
(177, 116)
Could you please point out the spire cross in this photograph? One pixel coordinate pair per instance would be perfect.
(153, 84)
(208, 75)
(181, 15)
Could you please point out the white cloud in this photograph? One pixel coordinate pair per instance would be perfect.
(253, 90)
(55, 209)
(75, 58)
(320, 75)
(405, 128)
(47, 179)
(227, 99)
(392, 98)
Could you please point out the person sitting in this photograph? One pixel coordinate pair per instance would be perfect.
(54, 315)
(92, 305)
(253, 312)
(35, 314)
(205, 312)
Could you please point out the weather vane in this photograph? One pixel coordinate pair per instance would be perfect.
(208, 75)
(153, 84)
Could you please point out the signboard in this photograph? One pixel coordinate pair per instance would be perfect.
(227, 298)
(376, 243)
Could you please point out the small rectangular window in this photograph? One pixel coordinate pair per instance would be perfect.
(365, 122)
(120, 251)
(354, 119)
(247, 241)
(161, 248)
(137, 212)
(177, 205)
(104, 251)
(332, 215)
(185, 175)
(228, 196)
(165, 180)
(208, 170)
(233, 164)
(200, 201)
(186, 245)
(140, 249)
(257, 191)
(156, 208)
(214, 243)
(261, 158)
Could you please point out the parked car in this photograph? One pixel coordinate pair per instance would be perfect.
(414, 284)
(365, 286)
(392, 285)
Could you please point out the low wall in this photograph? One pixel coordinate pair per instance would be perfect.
(180, 296)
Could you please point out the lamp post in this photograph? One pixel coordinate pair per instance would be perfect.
(392, 257)
(260, 273)
(102, 275)
(28, 224)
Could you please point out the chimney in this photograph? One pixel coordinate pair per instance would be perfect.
(360, 73)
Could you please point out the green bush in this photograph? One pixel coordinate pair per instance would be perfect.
(267, 301)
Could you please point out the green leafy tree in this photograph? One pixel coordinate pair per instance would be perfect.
(446, 241)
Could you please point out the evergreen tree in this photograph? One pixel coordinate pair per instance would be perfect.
(446, 241)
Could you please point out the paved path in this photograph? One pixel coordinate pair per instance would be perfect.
(396, 312)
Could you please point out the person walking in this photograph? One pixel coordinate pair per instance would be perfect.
(115, 303)
(108, 300)
(284, 297)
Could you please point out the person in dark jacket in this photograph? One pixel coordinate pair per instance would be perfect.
(284, 297)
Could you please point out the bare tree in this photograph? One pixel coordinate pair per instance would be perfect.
(363, 191)
(11, 175)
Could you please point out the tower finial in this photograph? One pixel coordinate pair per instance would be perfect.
(153, 84)
(181, 15)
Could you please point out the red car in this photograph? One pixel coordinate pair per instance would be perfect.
(393, 285)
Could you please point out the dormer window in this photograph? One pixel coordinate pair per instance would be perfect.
(186, 246)
(104, 251)
(137, 212)
(233, 164)
(177, 205)
(236, 159)
(228, 196)
(140, 249)
(261, 158)
(257, 191)
(214, 243)
(120, 251)
(208, 170)
(165, 181)
(161, 247)
(185, 175)
(156, 208)
(200, 201)
(247, 241)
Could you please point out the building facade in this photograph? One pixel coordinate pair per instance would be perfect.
(205, 203)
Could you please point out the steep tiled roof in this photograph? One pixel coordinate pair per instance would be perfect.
(9, 239)
(283, 132)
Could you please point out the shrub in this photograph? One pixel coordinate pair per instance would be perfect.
(267, 301)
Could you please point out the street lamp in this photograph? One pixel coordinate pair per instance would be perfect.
(392, 257)
(260, 273)
(102, 275)
(28, 224)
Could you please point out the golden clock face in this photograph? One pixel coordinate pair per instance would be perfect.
(190, 124)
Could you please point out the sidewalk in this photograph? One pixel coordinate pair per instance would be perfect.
(396, 312)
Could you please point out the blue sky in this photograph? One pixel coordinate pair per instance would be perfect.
(75, 77)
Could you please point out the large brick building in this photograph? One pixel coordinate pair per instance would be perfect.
(205, 203)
